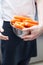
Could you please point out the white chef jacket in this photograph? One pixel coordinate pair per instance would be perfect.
(10, 8)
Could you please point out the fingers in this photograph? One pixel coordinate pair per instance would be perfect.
(2, 37)
(28, 37)
(33, 35)
(26, 29)
(30, 28)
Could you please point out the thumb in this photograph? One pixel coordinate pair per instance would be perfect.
(27, 29)
(1, 30)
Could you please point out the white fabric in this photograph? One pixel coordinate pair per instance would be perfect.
(9, 8)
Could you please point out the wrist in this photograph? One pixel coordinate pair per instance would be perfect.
(1, 23)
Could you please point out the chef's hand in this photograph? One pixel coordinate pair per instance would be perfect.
(36, 31)
(3, 37)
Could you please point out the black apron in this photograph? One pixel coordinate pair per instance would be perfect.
(15, 49)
